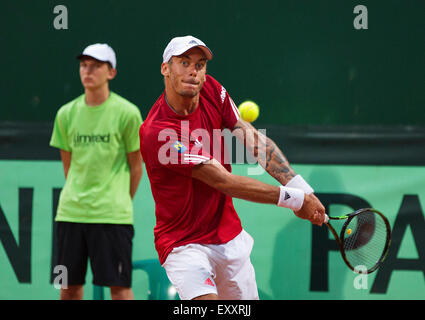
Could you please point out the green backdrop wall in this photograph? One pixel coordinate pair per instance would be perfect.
(302, 61)
(292, 259)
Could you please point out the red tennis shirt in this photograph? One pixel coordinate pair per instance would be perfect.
(188, 210)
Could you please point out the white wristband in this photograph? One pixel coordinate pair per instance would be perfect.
(299, 183)
(291, 198)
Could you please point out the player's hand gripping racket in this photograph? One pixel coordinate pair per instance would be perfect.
(364, 238)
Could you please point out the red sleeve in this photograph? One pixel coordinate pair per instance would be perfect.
(229, 111)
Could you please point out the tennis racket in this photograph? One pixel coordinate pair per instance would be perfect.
(364, 238)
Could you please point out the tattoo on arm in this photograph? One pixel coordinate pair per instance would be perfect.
(277, 165)
(265, 151)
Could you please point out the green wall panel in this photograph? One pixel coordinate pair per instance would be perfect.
(303, 61)
(289, 260)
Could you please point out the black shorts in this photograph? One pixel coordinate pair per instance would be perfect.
(107, 246)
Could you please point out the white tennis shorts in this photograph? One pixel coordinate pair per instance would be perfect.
(224, 269)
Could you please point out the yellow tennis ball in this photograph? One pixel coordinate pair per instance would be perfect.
(249, 111)
(349, 231)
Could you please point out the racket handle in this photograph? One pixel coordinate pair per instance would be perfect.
(326, 218)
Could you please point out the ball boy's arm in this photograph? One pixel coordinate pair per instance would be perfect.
(135, 163)
(66, 161)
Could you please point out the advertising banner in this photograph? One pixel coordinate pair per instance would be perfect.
(292, 259)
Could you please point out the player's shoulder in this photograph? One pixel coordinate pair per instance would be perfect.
(214, 89)
(156, 118)
(211, 82)
(157, 125)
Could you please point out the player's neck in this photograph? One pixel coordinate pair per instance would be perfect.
(180, 104)
(96, 96)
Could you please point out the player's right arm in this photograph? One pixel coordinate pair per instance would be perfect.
(216, 176)
(66, 161)
(270, 157)
(265, 151)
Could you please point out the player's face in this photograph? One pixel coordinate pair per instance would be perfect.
(186, 74)
(95, 74)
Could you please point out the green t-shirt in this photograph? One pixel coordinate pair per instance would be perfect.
(97, 188)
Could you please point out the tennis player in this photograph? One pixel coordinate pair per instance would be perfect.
(198, 234)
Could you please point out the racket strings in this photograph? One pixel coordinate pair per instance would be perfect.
(365, 245)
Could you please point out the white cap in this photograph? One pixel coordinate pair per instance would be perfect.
(101, 52)
(180, 45)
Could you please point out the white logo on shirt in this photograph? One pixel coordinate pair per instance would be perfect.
(223, 94)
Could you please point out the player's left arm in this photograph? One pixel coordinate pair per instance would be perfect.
(265, 151)
(135, 162)
(272, 159)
